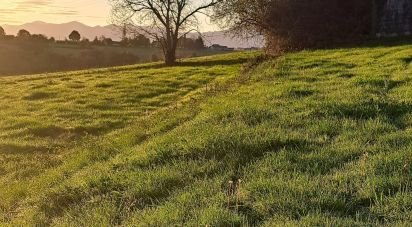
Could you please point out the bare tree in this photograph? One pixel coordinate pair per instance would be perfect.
(165, 21)
(244, 18)
(298, 24)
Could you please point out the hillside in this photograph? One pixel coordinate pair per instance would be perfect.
(315, 138)
(17, 58)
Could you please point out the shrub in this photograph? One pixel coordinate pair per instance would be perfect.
(295, 24)
(299, 24)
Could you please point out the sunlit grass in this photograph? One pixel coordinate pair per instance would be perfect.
(316, 138)
(48, 120)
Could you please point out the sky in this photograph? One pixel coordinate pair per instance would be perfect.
(89, 12)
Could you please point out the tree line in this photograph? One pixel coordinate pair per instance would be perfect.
(24, 35)
(75, 37)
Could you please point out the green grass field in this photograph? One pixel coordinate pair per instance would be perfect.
(315, 138)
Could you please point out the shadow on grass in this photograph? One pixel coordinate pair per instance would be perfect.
(180, 63)
(387, 42)
(14, 149)
(213, 62)
(39, 96)
(51, 131)
(373, 43)
(393, 112)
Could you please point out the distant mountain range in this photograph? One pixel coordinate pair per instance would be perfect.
(61, 31)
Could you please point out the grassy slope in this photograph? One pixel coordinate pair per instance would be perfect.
(55, 124)
(30, 58)
(317, 138)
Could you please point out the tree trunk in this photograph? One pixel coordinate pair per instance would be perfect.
(170, 57)
(170, 54)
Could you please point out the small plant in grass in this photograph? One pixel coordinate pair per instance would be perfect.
(233, 191)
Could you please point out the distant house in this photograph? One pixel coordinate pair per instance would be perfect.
(221, 48)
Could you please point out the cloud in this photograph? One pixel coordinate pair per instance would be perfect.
(35, 2)
(62, 12)
(45, 7)
(11, 21)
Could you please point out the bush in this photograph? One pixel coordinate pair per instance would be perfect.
(296, 24)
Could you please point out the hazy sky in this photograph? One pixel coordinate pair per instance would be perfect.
(90, 12)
